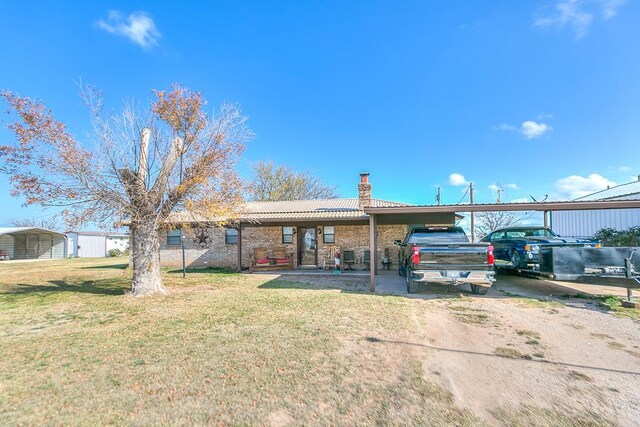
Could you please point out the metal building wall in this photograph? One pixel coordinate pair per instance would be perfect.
(91, 246)
(59, 249)
(587, 223)
(72, 245)
(117, 242)
(38, 246)
(6, 244)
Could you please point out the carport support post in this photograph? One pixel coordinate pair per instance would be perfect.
(545, 215)
(239, 266)
(373, 244)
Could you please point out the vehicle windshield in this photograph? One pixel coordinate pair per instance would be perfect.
(438, 236)
(530, 232)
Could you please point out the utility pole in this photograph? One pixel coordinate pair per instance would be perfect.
(438, 197)
(473, 222)
(179, 142)
(499, 190)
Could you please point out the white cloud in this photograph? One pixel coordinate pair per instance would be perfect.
(137, 27)
(457, 179)
(521, 200)
(610, 8)
(505, 127)
(493, 187)
(531, 129)
(545, 116)
(576, 14)
(575, 186)
(512, 186)
(624, 169)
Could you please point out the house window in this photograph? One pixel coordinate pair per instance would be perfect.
(174, 237)
(287, 234)
(328, 234)
(231, 236)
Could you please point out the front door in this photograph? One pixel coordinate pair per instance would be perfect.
(307, 248)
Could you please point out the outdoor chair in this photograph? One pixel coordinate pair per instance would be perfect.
(348, 258)
(366, 260)
(259, 259)
(329, 260)
(282, 258)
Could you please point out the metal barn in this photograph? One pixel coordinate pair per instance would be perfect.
(31, 243)
(587, 223)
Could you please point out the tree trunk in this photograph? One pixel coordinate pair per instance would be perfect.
(145, 257)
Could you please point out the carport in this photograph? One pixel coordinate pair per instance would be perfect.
(416, 215)
(31, 243)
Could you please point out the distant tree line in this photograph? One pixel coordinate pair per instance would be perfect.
(277, 183)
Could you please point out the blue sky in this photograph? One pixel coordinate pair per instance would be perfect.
(534, 97)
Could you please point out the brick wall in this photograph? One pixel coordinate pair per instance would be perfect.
(218, 254)
(215, 254)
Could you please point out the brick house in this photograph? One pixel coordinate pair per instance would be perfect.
(310, 229)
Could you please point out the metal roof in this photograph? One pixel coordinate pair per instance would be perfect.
(14, 230)
(320, 209)
(98, 233)
(509, 207)
(618, 192)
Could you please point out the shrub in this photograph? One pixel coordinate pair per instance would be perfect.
(613, 237)
(115, 252)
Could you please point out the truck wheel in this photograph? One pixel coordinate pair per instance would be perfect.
(402, 271)
(517, 261)
(479, 290)
(412, 285)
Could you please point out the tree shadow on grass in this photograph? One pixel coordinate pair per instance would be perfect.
(206, 270)
(110, 266)
(104, 287)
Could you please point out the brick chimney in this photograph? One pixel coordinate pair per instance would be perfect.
(364, 191)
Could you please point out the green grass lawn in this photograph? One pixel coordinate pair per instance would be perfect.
(223, 348)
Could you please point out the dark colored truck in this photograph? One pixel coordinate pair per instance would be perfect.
(445, 255)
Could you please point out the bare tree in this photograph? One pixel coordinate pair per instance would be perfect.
(49, 223)
(138, 168)
(283, 183)
(486, 222)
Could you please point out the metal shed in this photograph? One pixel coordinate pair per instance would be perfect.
(32, 243)
(95, 244)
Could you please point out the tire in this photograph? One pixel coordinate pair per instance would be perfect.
(402, 271)
(479, 290)
(517, 261)
(412, 285)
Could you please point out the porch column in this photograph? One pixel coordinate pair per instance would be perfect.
(373, 246)
(239, 261)
(545, 215)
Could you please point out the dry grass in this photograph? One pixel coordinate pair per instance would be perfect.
(222, 348)
(529, 334)
(524, 415)
(508, 352)
(470, 315)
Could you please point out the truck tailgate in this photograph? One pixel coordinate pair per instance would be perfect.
(470, 255)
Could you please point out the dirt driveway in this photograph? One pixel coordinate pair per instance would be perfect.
(524, 352)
